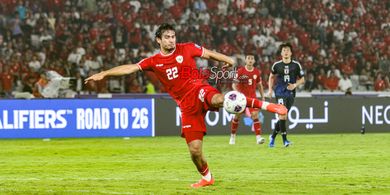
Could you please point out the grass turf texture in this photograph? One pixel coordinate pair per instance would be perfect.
(315, 164)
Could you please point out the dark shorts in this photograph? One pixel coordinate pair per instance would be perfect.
(286, 101)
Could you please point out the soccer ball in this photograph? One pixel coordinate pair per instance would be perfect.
(235, 102)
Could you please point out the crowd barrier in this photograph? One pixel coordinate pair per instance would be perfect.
(308, 115)
(158, 115)
(55, 118)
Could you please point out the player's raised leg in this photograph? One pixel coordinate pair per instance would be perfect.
(218, 99)
(194, 141)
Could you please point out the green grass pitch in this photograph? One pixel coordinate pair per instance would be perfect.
(314, 164)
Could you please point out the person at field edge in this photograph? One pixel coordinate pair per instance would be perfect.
(248, 78)
(289, 75)
(194, 96)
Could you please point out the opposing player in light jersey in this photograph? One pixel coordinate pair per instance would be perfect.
(248, 78)
(194, 96)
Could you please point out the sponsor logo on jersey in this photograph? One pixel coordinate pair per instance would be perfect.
(159, 65)
(243, 77)
(179, 59)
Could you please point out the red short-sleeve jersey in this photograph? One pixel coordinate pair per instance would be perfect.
(174, 69)
(248, 80)
(7, 81)
(332, 83)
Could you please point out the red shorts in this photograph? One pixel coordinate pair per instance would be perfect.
(194, 108)
(193, 135)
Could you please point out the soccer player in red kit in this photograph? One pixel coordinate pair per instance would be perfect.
(248, 78)
(194, 96)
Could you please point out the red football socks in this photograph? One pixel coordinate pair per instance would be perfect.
(204, 170)
(271, 107)
(257, 126)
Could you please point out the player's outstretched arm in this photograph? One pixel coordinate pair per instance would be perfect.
(208, 54)
(116, 71)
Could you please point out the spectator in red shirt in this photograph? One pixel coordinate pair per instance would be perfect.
(7, 81)
(379, 84)
(332, 82)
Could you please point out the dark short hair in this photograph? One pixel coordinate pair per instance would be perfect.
(162, 28)
(285, 45)
(250, 54)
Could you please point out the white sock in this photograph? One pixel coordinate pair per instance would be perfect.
(233, 135)
(258, 137)
(207, 177)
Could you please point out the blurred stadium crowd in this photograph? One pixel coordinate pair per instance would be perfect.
(342, 44)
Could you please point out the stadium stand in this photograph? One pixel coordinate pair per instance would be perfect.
(77, 38)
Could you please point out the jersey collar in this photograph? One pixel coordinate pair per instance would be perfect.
(287, 63)
(166, 55)
(249, 70)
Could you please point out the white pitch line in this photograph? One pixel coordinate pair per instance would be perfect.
(82, 179)
(74, 191)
